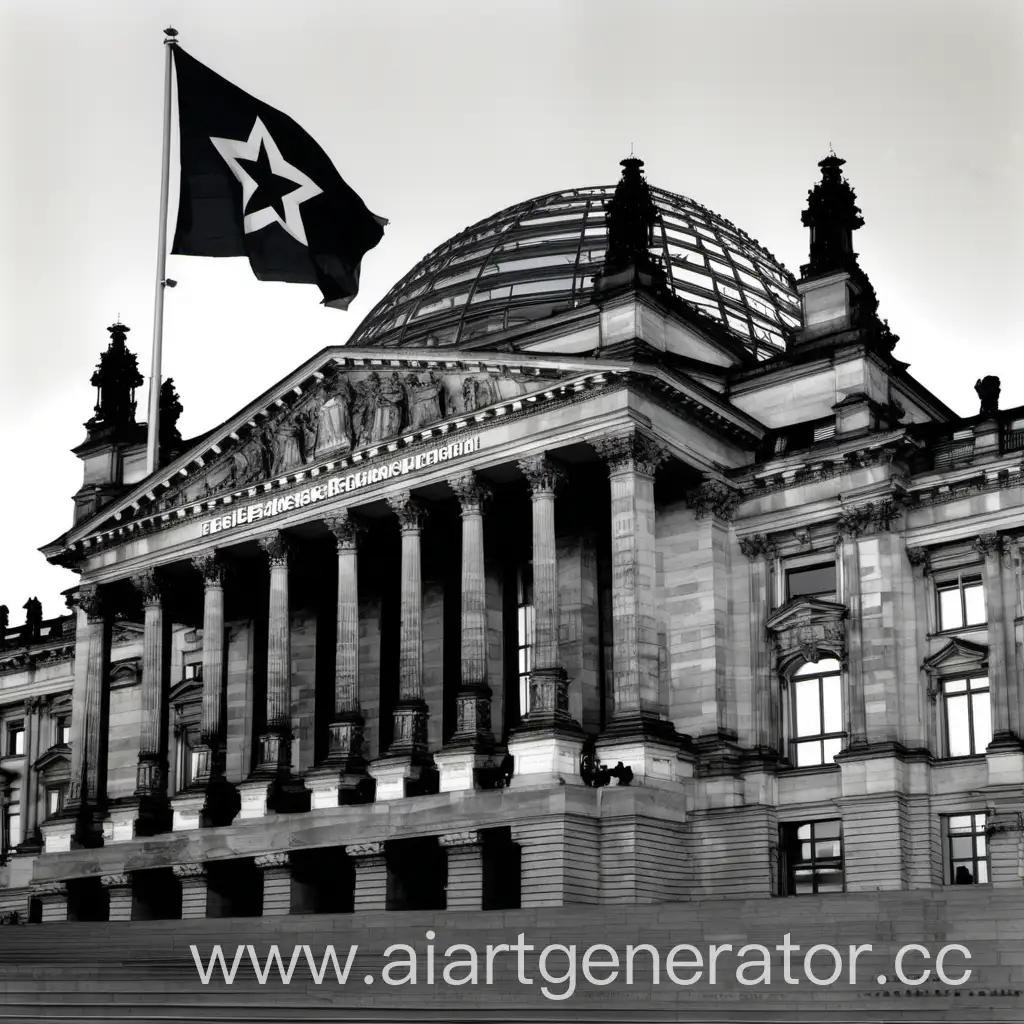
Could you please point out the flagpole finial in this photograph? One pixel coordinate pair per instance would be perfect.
(171, 34)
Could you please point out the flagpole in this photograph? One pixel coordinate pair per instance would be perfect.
(153, 438)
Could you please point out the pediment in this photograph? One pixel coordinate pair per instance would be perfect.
(957, 656)
(185, 691)
(124, 673)
(805, 611)
(56, 756)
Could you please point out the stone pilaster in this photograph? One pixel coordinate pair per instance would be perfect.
(995, 549)
(766, 726)
(407, 762)
(342, 777)
(849, 555)
(547, 742)
(82, 819)
(277, 883)
(193, 890)
(210, 798)
(472, 743)
(53, 896)
(371, 888)
(465, 869)
(119, 894)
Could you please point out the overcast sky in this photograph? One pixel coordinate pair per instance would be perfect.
(440, 113)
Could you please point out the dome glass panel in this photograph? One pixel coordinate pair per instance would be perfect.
(539, 258)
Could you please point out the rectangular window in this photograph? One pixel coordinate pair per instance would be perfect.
(812, 581)
(524, 635)
(55, 797)
(817, 734)
(12, 826)
(961, 603)
(968, 849)
(64, 731)
(812, 857)
(192, 670)
(16, 740)
(188, 756)
(968, 716)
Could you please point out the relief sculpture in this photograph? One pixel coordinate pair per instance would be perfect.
(425, 399)
(334, 423)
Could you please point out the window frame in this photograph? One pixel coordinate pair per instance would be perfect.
(790, 840)
(9, 811)
(188, 739)
(945, 697)
(945, 583)
(63, 722)
(790, 568)
(15, 728)
(61, 789)
(525, 624)
(796, 739)
(978, 830)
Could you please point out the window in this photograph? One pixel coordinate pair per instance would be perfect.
(812, 581)
(968, 849)
(524, 635)
(11, 826)
(16, 740)
(188, 756)
(813, 857)
(961, 603)
(968, 716)
(192, 670)
(55, 798)
(64, 731)
(817, 734)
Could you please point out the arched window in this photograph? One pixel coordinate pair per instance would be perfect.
(816, 711)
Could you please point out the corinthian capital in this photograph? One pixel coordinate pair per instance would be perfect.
(715, 497)
(90, 600)
(631, 451)
(990, 544)
(211, 566)
(874, 517)
(542, 474)
(759, 544)
(277, 548)
(149, 584)
(411, 513)
(472, 492)
(345, 527)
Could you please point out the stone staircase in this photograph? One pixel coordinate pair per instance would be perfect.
(144, 971)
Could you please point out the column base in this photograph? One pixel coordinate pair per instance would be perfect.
(204, 805)
(654, 760)
(545, 759)
(140, 816)
(402, 776)
(333, 785)
(457, 769)
(261, 795)
(75, 828)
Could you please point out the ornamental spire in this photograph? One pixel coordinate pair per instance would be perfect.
(833, 215)
(631, 216)
(115, 379)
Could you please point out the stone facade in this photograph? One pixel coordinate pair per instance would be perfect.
(626, 628)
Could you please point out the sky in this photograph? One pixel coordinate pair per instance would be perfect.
(439, 113)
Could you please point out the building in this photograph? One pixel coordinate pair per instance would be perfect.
(607, 563)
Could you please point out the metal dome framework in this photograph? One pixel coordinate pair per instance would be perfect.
(538, 258)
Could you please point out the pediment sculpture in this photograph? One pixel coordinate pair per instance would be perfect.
(351, 409)
(807, 630)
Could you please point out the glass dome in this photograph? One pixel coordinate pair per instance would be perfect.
(539, 258)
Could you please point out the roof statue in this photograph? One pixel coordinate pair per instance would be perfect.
(833, 215)
(631, 216)
(170, 411)
(33, 621)
(116, 378)
(988, 391)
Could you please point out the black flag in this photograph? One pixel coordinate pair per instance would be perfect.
(253, 183)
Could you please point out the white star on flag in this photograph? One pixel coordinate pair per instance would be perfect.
(234, 149)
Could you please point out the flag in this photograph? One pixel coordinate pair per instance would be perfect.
(253, 183)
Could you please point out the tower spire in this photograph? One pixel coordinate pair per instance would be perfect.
(833, 215)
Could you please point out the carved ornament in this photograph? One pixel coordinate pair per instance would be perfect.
(807, 630)
(759, 544)
(542, 474)
(345, 527)
(873, 517)
(715, 498)
(632, 451)
(472, 492)
(411, 513)
(277, 549)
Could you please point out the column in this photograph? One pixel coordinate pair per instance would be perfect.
(465, 869)
(210, 799)
(148, 813)
(639, 733)
(849, 555)
(766, 725)
(406, 768)
(277, 883)
(31, 838)
(472, 744)
(342, 777)
(371, 890)
(547, 743)
(193, 889)
(270, 783)
(82, 818)
(119, 893)
(54, 899)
